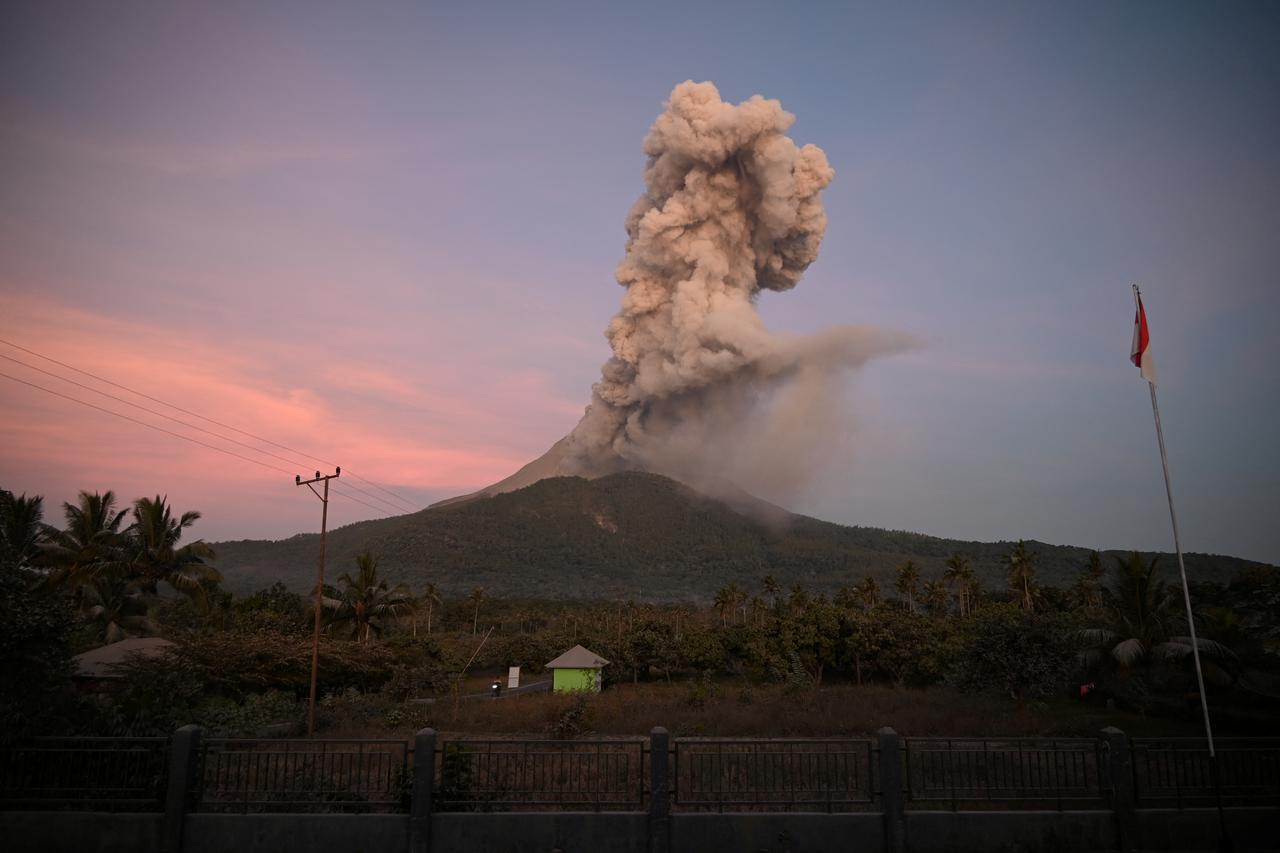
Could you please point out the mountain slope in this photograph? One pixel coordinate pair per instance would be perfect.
(634, 535)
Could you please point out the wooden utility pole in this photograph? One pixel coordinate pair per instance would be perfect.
(315, 639)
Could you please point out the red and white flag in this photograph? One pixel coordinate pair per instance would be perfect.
(1140, 351)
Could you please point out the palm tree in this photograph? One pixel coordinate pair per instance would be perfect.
(477, 596)
(90, 544)
(430, 597)
(1087, 590)
(1022, 573)
(869, 589)
(1144, 615)
(21, 529)
(956, 575)
(365, 600)
(725, 601)
(771, 589)
(936, 597)
(908, 578)
(115, 609)
(155, 555)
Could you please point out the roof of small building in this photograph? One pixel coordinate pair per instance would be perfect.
(578, 658)
(99, 662)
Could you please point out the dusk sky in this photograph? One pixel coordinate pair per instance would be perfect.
(385, 235)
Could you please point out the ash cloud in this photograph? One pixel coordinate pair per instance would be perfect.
(697, 387)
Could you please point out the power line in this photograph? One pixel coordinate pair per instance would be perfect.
(294, 462)
(178, 435)
(380, 488)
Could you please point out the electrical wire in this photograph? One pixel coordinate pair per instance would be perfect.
(393, 508)
(415, 507)
(181, 436)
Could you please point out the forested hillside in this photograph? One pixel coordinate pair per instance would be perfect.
(636, 535)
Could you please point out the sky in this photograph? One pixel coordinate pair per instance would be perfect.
(384, 236)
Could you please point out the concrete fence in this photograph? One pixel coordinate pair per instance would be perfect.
(640, 795)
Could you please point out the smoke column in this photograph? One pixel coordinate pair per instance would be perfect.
(697, 388)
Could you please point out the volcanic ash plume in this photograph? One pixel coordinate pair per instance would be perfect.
(697, 388)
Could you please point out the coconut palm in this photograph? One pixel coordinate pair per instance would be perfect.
(1086, 592)
(154, 553)
(1146, 620)
(115, 608)
(956, 576)
(908, 579)
(771, 589)
(89, 545)
(936, 597)
(21, 529)
(869, 589)
(1022, 574)
(430, 598)
(365, 601)
(477, 596)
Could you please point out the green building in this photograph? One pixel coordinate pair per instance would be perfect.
(576, 669)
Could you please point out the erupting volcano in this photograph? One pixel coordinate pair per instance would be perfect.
(697, 388)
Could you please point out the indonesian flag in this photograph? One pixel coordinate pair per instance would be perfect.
(1140, 351)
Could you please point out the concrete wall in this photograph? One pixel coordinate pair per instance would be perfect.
(570, 832)
(56, 832)
(1009, 832)
(295, 833)
(532, 832)
(783, 833)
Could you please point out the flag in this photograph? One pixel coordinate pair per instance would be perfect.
(1140, 351)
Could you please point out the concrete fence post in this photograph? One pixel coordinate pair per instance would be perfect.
(659, 791)
(1117, 754)
(184, 758)
(424, 779)
(891, 787)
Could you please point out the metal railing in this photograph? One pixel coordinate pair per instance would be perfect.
(85, 773)
(773, 774)
(512, 775)
(1176, 771)
(1061, 773)
(256, 775)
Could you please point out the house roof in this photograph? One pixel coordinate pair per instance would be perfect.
(99, 663)
(578, 658)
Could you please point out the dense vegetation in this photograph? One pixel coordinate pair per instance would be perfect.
(638, 536)
(1110, 634)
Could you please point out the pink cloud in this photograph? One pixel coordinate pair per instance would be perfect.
(372, 420)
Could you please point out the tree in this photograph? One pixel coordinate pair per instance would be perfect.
(956, 577)
(1014, 652)
(156, 557)
(1145, 620)
(476, 597)
(936, 597)
(1086, 592)
(21, 529)
(907, 583)
(869, 589)
(35, 645)
(115, 609)
(430, 597)
(91, 542)
(1022, 574)
(366, 600)
(771, 589)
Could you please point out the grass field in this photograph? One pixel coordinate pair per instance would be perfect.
(753, 710)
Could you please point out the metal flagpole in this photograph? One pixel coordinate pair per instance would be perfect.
(1225, 839)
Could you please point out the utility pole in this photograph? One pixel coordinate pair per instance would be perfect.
(315, 639)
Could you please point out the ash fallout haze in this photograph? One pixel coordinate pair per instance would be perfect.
(387, 237)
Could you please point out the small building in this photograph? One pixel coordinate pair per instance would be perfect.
(576, 669)
(96, 670)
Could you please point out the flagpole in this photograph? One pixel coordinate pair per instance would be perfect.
(1226, 844)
